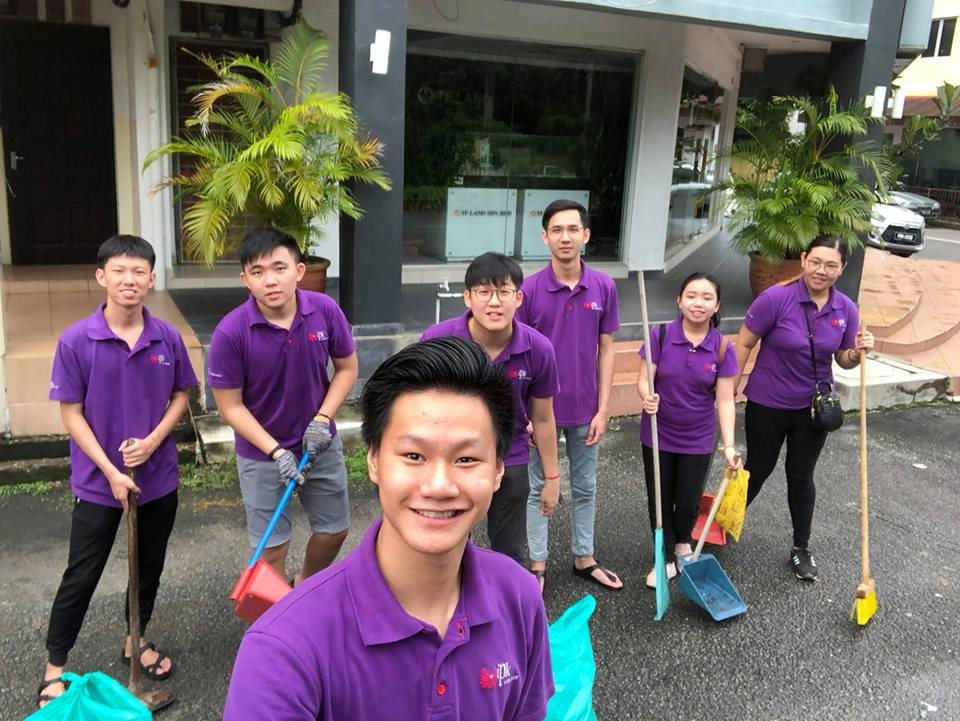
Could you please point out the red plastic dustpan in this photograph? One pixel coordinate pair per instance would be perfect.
(257, 590)
(715, 534)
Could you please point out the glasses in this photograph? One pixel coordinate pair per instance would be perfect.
(828, 268)
(485, 294)
(556, 231)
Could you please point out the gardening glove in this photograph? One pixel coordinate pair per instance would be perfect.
(287, 465)
(317, 438)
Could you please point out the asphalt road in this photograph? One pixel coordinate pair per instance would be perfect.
(942, 244)
(794, 656)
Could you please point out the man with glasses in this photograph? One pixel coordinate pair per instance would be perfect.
(575, 307)
(492, 297)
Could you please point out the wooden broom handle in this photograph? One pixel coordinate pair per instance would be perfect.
(864, 501)
(648, 350)
(713, 512)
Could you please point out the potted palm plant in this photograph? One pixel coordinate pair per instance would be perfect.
(267, 145)
(792, 181)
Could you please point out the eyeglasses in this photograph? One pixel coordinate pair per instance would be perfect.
(828, 268)
(485, 294)
(556, 231)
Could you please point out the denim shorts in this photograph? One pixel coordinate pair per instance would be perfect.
(323, 496)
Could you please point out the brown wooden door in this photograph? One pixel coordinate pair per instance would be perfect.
(56, 110)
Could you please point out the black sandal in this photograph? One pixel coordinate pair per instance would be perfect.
(587, 575)
(151, 670)
(44, 698)
(541, 575)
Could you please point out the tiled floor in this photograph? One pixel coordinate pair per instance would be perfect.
(38, 304)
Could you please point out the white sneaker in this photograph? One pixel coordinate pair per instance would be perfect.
(652, 576)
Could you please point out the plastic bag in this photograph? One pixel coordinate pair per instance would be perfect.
(573, 665)
(93, 697)
(733, 505)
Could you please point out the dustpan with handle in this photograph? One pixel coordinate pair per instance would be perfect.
(260, 586)
(703, 581)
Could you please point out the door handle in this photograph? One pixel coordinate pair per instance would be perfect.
(14, 158)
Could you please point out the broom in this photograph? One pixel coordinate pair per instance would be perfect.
(865, 603)
(659, 554)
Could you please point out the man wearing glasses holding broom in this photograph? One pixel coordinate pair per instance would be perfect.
(121, 377)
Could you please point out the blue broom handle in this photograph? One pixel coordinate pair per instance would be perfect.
(284, 500)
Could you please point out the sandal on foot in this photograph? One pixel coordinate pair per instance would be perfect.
(587, 574)
(151, 670)
(44, 698)
(541, 575)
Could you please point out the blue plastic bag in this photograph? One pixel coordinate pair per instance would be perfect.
(573, 665)
(93, 697)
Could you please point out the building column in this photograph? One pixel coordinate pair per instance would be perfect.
(371, 249)
(854, 69)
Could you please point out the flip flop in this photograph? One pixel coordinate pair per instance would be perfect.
(587, 574)
(44, 698)
(541, 575)
(151, 670)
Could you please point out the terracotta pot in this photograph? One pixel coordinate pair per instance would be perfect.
(316, 276)
(764, 274)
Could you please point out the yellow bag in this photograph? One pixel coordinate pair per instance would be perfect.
(733, 505)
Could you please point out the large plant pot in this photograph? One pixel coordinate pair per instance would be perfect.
(316, 276)
(764, 274)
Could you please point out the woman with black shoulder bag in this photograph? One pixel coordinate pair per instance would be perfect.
(805, 325)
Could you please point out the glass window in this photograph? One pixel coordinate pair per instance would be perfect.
(941, 38)
(698, 128)
(497, 130)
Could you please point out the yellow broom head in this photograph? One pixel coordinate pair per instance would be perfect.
(865, 604)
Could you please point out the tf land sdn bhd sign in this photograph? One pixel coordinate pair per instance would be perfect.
(478, 220)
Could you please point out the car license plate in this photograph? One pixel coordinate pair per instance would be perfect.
(927, 212)
(899, 235)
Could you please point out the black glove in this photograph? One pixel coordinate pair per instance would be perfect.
(317, 438)
(287, 465)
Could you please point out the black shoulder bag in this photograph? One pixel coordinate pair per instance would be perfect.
(825, 410)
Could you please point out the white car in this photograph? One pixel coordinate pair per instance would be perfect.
(896, 229)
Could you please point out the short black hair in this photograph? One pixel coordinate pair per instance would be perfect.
(494, 269)
(558, 206)
(834, 242)
(263, 241)
(444, 364)
(130, 245)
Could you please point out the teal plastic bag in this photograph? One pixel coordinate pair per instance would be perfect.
(574, 668)
(93, 697)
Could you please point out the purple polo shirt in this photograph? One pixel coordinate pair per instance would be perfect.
(340, 646)
(686, 382)
(283, 373)
(124, 395)
(529, 363)
(572, 320)
(782, 375)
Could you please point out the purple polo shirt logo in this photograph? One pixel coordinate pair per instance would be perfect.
(592, 305)
(518, 374)
(839, 323)
(710, 367)
(159, 359)
(316, 336)
(487, 679)
(504, 674)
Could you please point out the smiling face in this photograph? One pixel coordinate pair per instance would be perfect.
(821, 268)
(127, 280)
(437, 470)
(272, 279)
(565, 235)
(698, 301)
(493, 307)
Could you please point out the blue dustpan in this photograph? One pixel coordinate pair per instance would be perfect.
(703, 581)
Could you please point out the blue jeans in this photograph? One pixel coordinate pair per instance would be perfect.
(583, 485)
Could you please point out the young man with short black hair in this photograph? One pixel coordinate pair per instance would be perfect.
(416, 623)
(121, 377)
(492, 297)
(268, 370)
(575, 307)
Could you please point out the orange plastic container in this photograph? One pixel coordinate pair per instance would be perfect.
(715, 534)
(257, 590)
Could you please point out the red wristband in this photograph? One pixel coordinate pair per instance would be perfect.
(552, 478)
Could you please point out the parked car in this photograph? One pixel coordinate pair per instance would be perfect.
(927, 207)
(896, 229)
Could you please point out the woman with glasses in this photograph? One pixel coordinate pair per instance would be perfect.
(785, 376)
